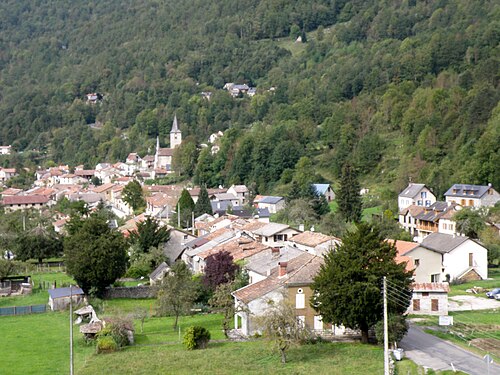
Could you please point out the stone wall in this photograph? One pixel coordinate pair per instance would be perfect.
(129, 292)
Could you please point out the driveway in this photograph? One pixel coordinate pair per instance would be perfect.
(467, 303)
(430, 351)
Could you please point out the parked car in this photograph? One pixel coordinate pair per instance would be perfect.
(497, 296)
(493, 293)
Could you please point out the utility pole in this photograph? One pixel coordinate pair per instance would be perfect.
(386, 332)
(192, 223)
(178, 215)
(71, 330)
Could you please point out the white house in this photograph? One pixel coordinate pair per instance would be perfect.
(5, 150)
(314, 243)
(417, 194)
(472, 195)
(274, 234)
(241, 192)
(443, 257)
(429, 299)
(273, 204)
(326, 190)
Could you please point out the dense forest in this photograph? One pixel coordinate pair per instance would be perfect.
(399, 88)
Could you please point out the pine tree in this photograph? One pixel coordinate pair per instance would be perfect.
(348, 284)
(203, 205)
(184, 207)
(348, 197)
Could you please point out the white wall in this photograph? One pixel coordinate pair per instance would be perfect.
(457, 261)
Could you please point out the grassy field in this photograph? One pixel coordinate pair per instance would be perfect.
(493, 273)
(407, 367)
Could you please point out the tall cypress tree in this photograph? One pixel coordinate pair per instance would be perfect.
(185, 205)
(348, 197)
(203, 205)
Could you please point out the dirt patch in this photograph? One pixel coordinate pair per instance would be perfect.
(468, 303)
(489, 345)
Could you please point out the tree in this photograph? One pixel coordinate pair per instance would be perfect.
(348, 198)
(149, 234)
(220, 269)
(470, 222)
(8, 267)
(94, 254)
(203, 205)
(38, 243)
(184, 208)
(176, 292)
(348, 285)
(280, 325)
(397, 328)
(223, 302)
(133, 195)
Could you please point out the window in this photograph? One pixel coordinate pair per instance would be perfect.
(434, 304)
(419, 203)
(423, 194)
(471, 202)
(300, 299)
(301, 319)
(417, 262)
(471, 259)
(416, 305)
(425, 294)
(427, 203)
(464, 203)
(435, 278)
(318, 323)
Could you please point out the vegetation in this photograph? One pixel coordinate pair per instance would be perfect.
(203, 205)
(184, 210)
(149, 234)
(196, 337)
(94, 255)
(279, 324)
(348, 197)
(223, 302)
(349, 283)
(400, 90)
(219, 269)
(176, 292)
(134, 196)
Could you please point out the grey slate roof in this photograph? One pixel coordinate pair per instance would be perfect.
(433, 212)
(65, 292)
(441, 243)
(321, 188)
(159, 270)
(270, 199)
(412, 190)
(471, 191)
(175, 126)
(271, 229)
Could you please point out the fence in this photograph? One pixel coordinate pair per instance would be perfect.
(22, 310)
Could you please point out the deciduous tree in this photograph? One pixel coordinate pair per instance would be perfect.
(220, 269)
(133, 195)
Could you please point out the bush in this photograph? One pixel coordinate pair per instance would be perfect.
(196, 337)
(106, 344)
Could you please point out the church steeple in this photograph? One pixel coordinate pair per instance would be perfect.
(175, 134)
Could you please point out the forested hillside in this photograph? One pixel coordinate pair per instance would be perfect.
(401, 88)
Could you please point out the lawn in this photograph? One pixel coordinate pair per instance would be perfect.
(44, 339)
(407, 367)
(493, 273)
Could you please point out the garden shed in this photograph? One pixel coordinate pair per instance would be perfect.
(59, 297)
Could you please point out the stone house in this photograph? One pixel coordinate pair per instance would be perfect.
(429, 299)
(472, 195)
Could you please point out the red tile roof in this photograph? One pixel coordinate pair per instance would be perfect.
(430, 287)
(25, 199)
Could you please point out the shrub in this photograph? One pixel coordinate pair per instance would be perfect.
(106, 344)
(196, 337)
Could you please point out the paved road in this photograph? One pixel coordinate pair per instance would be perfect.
(428, 350)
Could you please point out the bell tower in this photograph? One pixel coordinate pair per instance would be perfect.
(175, 134)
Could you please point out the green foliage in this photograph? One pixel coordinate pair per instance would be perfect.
(203, 205)
(397, 327)
(133, 195)
(348, 197)
(142, 264)
(149, 233)
(223, 301)
(38, 243)
(106, 344)
(8, 267)
(176, 292)
(348, 284)
(470, 222)
(196, 337)
(186, 207)
(94, 254)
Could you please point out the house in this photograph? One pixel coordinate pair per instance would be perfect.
(94, 97)
(314, 243)
(291, 281)
(402, 247)
(5, 150)
(24, 202)
(274, 234)
(176, 244)
(443, 257)
(159, 273)
(59, 298)
(429, 219)
(417, 194)
(429, 299)
(223, 200)
(7, 173)
(472, 195)
(241, 192)
(272, 203)
(407, 218)
(326, 190)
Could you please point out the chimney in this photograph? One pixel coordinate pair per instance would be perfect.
(275, 251)
(301, 227)
(282, 268)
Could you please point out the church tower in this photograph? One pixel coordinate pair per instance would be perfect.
(175, 134)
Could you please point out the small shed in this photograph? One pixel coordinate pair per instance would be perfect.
(429, 299)
(159, 273)
(59, 298)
